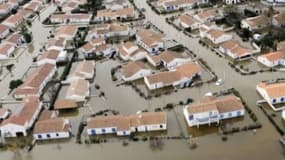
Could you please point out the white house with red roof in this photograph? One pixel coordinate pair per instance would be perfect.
(216, 36)
(53, 128)
(13, 21)
(181, 77)
(122, 125)
(109, 15)
(150, 40)
(213, 109)
(35, 82)
(131, 51)
(274, 94)
(234, 50)
(52, 57)
(135, 70)
(173, 5)
(273, 59)
(6, 50)
(19, 123)
(168, 59)
(4, 31)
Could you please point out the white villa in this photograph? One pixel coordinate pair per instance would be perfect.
(125, 125)
(135, 70)
(213, 109)
(273, 93)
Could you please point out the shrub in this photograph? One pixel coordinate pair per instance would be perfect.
(15, 83)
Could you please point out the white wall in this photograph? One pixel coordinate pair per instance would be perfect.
(10, 130)
(53, 135)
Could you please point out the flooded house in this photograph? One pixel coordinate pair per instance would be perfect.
(272, 59)
(35, 82)
(70, 5)
(131, 51)
(207, 15)
(25, 13)
(6, 50)
(273, 93)
(85, 70)
(5, 9)
(150, 40)
(181, 77)
(91, 46)
(54, 128)
(216, 36)
(16, 39)
(174, 5)
(125, 125)
(34, 6)
(78, 90)
(52, 57)
(278, 20)
(23, 119)
(71, 18)
(255, 23)
(116, 4)
(213, 109)
(65, 104)
(108, 30)
(168, 59)
(56, 44)
(14, 21)
(119, 14)
(68, 32)
(135, 70)
(234, 50)
(4, 31)
(188, 21)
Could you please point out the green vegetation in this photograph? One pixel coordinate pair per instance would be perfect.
(25, 32)
(15, 83)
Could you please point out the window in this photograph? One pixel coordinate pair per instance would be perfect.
(238, 113)
(124, 132)
(221, 116)
(57, 134)
(39, 136)
(230, 114)
(93, 132)
(282, 99)
(274, 100)
(48, 135)
(161, 126)
(191, 117)
(103, 130)
(113, 129)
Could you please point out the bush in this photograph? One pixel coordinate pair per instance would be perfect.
(15, 83)
(27, 37)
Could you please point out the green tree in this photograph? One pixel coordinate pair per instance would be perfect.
(15, 83)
